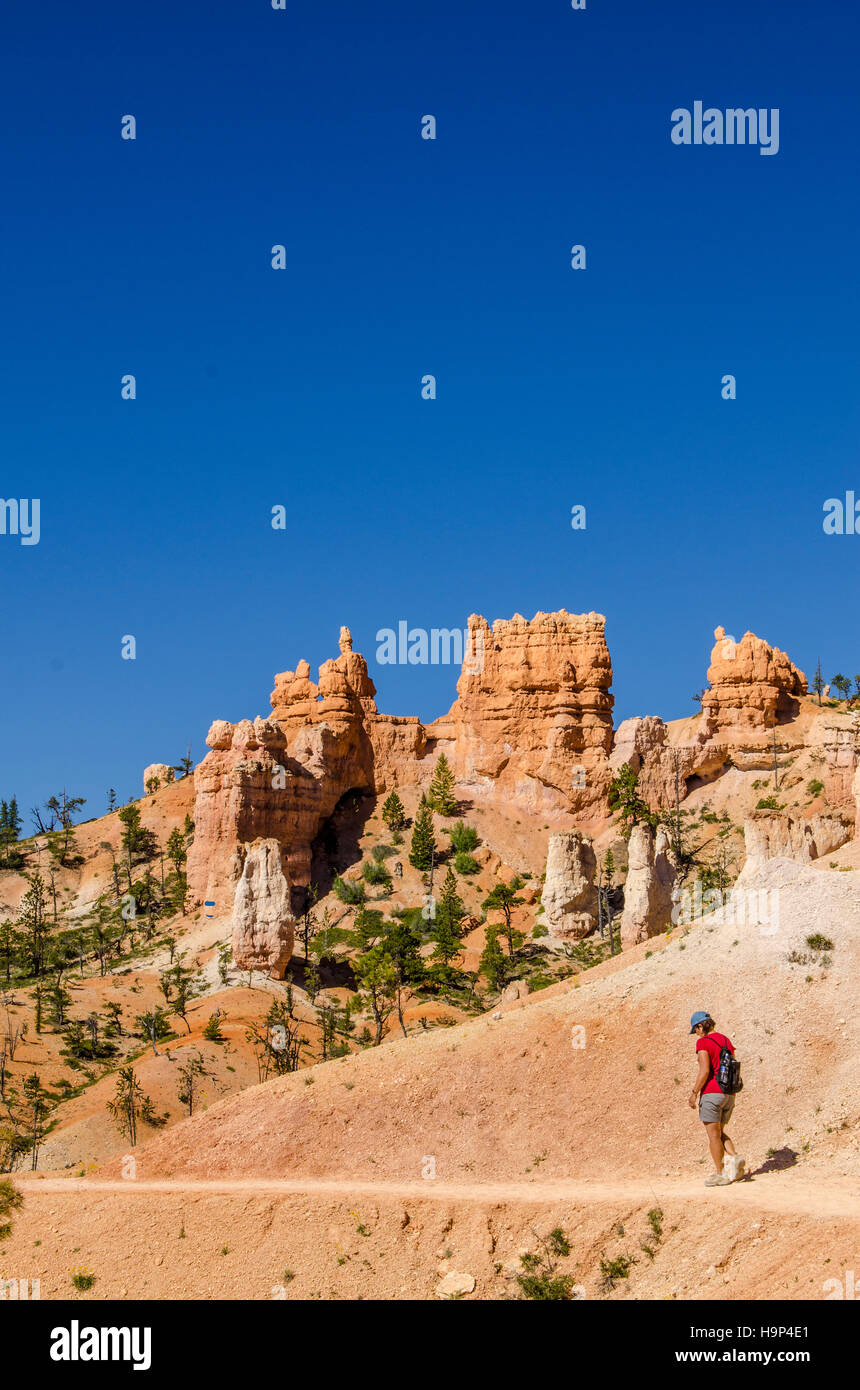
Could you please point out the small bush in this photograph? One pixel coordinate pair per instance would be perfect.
(815, 788)
(465, 864)
(372, 871)
(212, 1031)
(463, 837)
(540, 1280)
(817, 942)
(353, 894)
(83, 1279)
(616, 1269)
(10, 1200)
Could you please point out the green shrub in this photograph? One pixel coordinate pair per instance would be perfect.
(374, 872)
(618, 1268)
(212, 1031)
(465, 864)
(817, 942)
(540, 1280)
(10, 1200)
(463, 837)
(350, 893)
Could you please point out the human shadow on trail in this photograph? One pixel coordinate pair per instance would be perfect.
(779, 1160)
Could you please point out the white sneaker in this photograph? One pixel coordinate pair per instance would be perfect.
(733, 1167)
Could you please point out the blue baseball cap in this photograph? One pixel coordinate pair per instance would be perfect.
(697, 1019)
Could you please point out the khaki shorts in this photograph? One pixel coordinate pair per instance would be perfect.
(715, 1108)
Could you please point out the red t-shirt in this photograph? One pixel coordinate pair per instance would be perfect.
(713, 1045)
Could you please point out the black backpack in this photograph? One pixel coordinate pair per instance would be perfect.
(727, 1073)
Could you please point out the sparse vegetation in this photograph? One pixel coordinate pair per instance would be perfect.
(819, 942)
(540, 1280)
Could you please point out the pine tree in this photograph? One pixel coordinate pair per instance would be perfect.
(504, 899)
(32, 920)
(441, 794)
(64, 808)
(447, 928)
(377, 979)
(10, 829)
(128, 1103)
(625, 799)
(818, 682)
(393, 813)
(177, 853)
(189, 1076)
(423, 848)
(403, 947)
(36, 1108)
(494, 963)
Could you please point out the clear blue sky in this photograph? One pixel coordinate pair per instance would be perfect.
(406, 257)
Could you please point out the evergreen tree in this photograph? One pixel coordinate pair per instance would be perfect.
(403, 947)
(504, 899)
(132, 838)
(185, 766)
(190, 1077)
(183, 982)
(494, 963)
(818, 682)
(33, 922)
(423, 848)
(441, 794)
(10, 830)
(154, 1025)
(36, 1109)
(177, 853)
(447, 929)
(625, 799)
(9, 946)
(128, 1104)
(377, 978)
(212, 1031)
(393, 813)
(64, 808)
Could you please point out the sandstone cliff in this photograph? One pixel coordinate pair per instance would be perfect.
(280, 778)
(532, 723)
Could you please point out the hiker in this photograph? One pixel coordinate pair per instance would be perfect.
(715, 1103)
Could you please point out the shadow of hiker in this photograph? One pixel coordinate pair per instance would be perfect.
(778, 1160)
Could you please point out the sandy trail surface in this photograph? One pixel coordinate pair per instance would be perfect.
(783, 1192)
